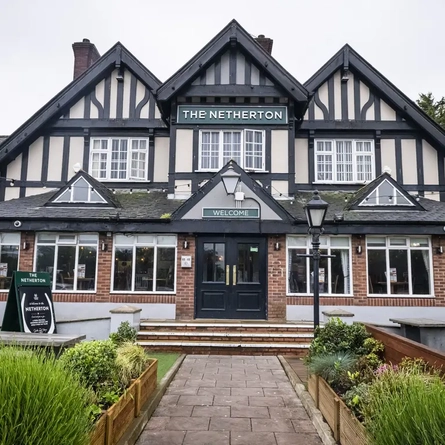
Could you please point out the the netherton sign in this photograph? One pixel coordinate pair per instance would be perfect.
(233, 115)
(29, 307)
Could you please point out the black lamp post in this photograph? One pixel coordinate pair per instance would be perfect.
(316, 210)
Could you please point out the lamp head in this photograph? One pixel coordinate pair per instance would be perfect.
(315, 211)
(230, 179)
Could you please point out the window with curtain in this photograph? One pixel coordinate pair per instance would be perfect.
(9, 257)
(344, 160)
(245, 147)
(144, 263)
(119, 159)
(399, 265)
(70, 260)
(334, 273)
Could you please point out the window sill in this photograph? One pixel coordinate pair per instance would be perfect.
(343, 182)
(139, 292)
(400, 296)
(218, 169)
(321, 295)
(64, 291)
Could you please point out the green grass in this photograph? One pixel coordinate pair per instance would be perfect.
(165, 361)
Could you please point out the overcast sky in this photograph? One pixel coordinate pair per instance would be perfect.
(403, 39)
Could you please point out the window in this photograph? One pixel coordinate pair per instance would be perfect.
(119, 159)
(9, 257)
(80, 191)
(245, 147)
(344, 161)
(386, 195)
(144, 263)
(70, 259)
(399, 265)
(334, 273)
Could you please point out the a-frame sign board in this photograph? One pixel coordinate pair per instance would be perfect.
(30, 307)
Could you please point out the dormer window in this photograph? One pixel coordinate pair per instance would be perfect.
(218, 147)
(345, 160)
(80, 192)
(386, 195)
(119, 159)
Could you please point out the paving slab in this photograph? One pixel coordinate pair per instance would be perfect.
(224, 400)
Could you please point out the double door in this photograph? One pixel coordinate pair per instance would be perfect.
(231, 279)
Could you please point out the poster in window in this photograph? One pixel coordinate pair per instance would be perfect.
(3, 269)
(321, 275)
(81, 270)
(393, 274)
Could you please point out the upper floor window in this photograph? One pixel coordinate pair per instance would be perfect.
(344, 160)
(245, 147)
(117, 159)
(70, 260)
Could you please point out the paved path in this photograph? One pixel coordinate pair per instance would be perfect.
(230, 400)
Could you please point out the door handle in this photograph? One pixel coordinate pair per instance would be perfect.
(234, 274)
(227, 275)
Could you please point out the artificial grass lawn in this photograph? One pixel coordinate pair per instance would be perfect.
(165, 361)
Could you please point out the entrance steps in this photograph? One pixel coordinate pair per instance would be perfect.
(226, 337)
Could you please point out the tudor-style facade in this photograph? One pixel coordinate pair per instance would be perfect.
(116, 188)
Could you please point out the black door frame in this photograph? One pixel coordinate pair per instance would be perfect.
(232, 241)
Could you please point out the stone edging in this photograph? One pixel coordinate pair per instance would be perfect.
(138, 424)
(314, 414)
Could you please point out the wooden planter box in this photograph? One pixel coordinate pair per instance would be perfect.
(115, 421)
(346, 429)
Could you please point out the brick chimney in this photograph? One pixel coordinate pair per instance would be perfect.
(85, 54)
(265, 42)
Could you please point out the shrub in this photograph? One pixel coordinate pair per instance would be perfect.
(356, 397)
(131, 361)
(41, 403)
(335, 369)
(336, 336)
(125, 333)
(94, 363)
(404, 405)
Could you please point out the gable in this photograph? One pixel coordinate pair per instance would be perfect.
(121, 94)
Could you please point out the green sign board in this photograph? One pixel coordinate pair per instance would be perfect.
(29, 307)
(232, 213)
(233, 115)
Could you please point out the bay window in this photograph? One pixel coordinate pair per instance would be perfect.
(70, 260)
(218, 147)
(119, 159)
(334, 274)
(144, 263)
(9, 257)
(399, 265)
(344, 160)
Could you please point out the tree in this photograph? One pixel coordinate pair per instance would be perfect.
(434, 109)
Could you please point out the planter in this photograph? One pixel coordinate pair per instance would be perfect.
(115, 421)
(346, 429)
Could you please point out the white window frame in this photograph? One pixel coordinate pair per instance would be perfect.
(75, 242)
(133, 243)
(243, 148)
(71, 190)
(408, 248)
(2, 243)
(333, 153)
(108, 152)
(323, 246)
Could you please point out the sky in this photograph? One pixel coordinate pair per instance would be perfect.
(403, 39)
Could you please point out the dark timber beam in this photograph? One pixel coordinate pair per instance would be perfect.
(233, 90)
(356, 125)
(109, 123)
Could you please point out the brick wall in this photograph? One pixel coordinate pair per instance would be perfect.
(185, 283)
(276, 301)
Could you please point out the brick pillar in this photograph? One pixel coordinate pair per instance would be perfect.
(185, 280)
(104, 260)
(276, 298)
(26, 256)
(438, 269)
(359, 275)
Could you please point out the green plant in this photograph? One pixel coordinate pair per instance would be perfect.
(93, 362)
(125, 333)
(335, 368)
(406, 406)
(41, 403)
(131, 361)
(356, 397)
(166, 216)
(337, 336)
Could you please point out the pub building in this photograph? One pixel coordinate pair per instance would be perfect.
(186, 198)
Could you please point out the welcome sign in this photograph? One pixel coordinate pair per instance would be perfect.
(233, 213)
(233, 115)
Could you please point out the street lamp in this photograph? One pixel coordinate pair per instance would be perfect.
(316, 210)
(230, 179)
